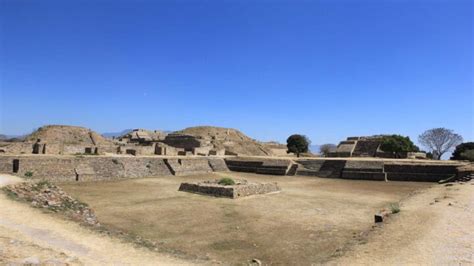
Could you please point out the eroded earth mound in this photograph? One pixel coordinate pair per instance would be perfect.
(232, 140)
(67, 135)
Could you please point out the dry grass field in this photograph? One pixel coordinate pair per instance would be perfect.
(312, 220)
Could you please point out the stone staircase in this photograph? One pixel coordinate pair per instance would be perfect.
(321, 168)
(366, 148)
(180, 167)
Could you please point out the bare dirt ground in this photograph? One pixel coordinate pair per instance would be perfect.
(29, 235)
(312, 220)
(433, 228)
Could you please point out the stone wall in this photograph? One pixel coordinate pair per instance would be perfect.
(180, 167)
(321, 168)
(370, 169)
(259, 165)
(80, 168)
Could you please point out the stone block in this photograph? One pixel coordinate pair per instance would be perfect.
(242, 188)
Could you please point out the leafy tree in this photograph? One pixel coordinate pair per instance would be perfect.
(325, 149)
(461, 149)
(439, 141)
(397, 145)
(429, 155)
(297, 144)
(468, 155)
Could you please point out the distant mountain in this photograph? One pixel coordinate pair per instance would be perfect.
(314, 148)
(125, 131)
(116, 134)
(12, 138)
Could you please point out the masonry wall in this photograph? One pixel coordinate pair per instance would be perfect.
(259, 165)
(80, 168)
(380, 170)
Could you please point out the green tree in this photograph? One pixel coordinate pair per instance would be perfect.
(398, 145)
(461, 150)
(297, 144)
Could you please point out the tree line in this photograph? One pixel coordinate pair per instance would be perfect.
(436, 141)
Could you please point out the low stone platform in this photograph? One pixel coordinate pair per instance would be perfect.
(242, 188)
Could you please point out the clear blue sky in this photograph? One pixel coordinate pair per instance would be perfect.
(327, 69)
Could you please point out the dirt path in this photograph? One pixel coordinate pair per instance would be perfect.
(433, 228)
(28, 234)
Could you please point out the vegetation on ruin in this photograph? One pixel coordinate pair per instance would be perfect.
(464, 151)
(468, 155)
(29, 174)
(439, 141)
(297, 144)
(226, 181)
(397, 145)
(394, 207)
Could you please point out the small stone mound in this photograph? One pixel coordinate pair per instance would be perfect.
(45, 195)
(241, 188)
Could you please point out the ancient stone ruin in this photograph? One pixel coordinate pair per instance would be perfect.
(241, 188)
(46, 195)
(194, 141)
(368, 146)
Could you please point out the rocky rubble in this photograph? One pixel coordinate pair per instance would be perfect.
(46, 195)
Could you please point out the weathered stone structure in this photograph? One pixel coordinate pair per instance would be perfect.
(83, 168)
(58, 139)
(259, 165)
(96, 167)
(242, 188)
(368, 147)
(357, 169)
(194, 141)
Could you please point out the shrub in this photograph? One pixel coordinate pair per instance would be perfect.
(462, 151)
(394, 207)
(468, 155)
(398, 145)
(226, 181)
(29, 174)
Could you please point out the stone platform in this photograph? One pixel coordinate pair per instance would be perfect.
(242, 188)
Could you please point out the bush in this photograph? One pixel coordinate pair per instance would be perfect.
(394, 207)
(468, 155)
(462, 151)
(29, 174)
(398, 145)
(226, 181)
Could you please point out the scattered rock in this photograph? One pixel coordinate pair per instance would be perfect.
(44, 194)
(381, 216)
(256, 262)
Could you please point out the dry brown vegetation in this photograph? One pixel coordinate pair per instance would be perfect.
(311, 221)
